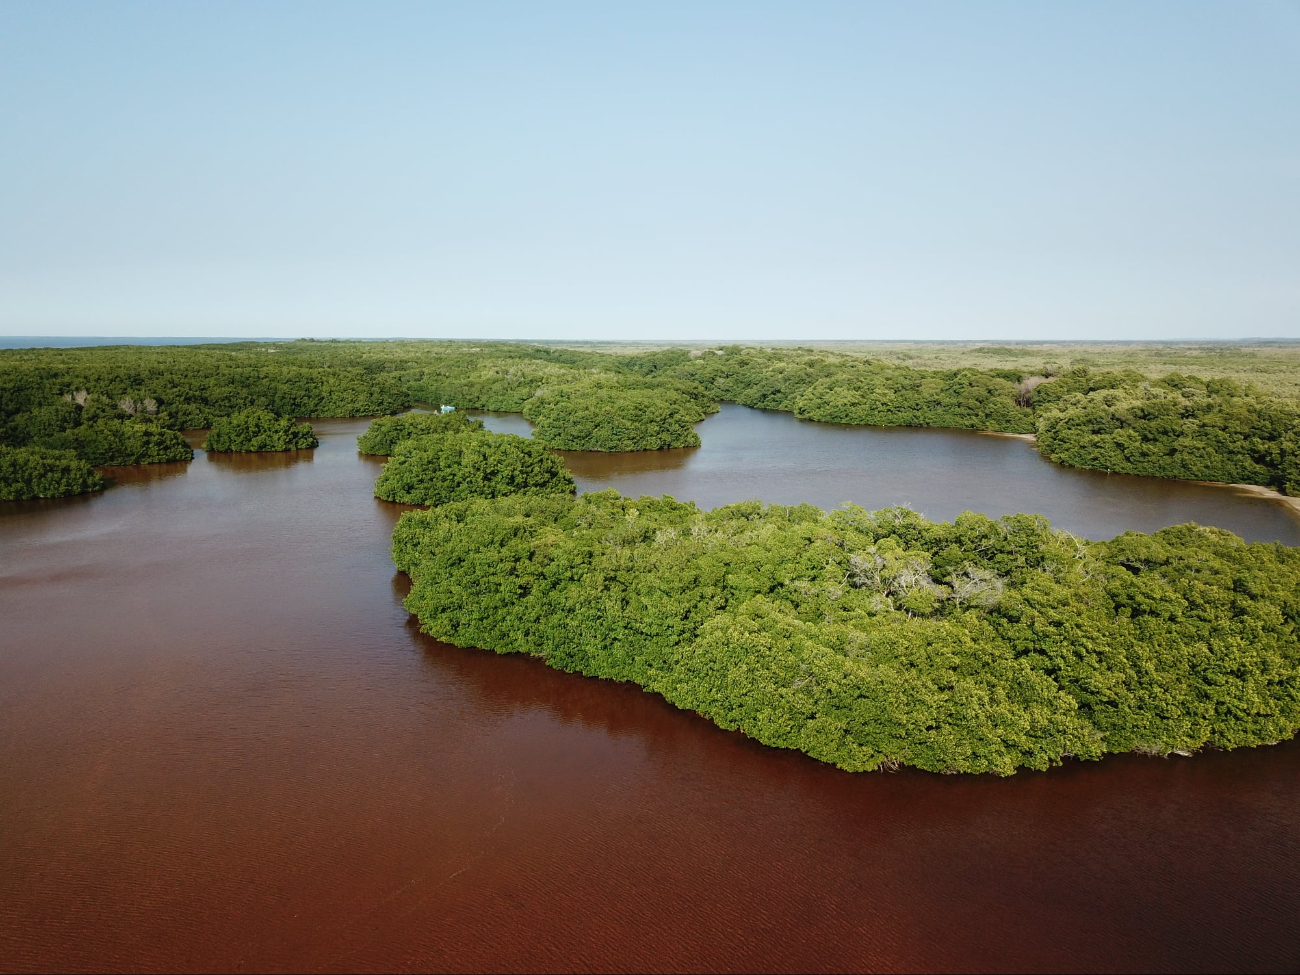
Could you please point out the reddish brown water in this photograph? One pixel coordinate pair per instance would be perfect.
(224, 745)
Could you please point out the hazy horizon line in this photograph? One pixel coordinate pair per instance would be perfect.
(29, 340)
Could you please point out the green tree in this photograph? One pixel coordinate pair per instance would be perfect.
(449, 467)
(611, 417)
(38, 472)
(387, 432)
(254, 430)
(874, 639)
(114, 442)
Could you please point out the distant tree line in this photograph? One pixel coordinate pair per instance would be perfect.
(125, 405)
(837, 388)
(1176, 426)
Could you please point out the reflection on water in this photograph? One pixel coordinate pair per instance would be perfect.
(146, 473)
(262, 460)
(514, 423)
(195, 438)
(590, 466)
(777, 458)
(224, 743)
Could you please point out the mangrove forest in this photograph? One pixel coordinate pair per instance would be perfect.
(868, 640)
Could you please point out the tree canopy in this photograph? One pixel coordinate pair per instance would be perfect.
(607, 416)
(254, 430)
(112, 442)
(441, 468)
(870, 640)
(1178, 426)
(387, 432)
(838, 388)
(38, 472)
(1172, 426)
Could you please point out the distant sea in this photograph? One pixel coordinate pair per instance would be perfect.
(82, 341)
(79, 341)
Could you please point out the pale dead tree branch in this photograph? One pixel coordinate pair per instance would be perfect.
(977, 586)
(1080, 547)
(865, 569)
(909, 575)
(80, 397)
(127, 405)
(150, 405)
(1025, 391)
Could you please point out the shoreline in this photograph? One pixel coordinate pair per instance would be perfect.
(1260, 491)
(1029, 437)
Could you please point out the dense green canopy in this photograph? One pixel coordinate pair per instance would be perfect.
(110, 442)
(502, 378)
(387, 432)
(188, 387)
(441, 468)
(256, 430)
(608, 416)
(38, 472)
(875, 639)
(1175, 426)
(837, 388)
(1178, 426)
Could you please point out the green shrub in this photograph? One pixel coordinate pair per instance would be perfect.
(608, 417)
(457, 466)
(114, 442)
(1176, 427)
(37, 472)
(387, 432)
(252, 430)
(870, 640)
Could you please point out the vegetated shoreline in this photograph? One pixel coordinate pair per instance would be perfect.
(872, 640)
(1032, 438)
(885, 767)
(120, 405)
(1259, 490)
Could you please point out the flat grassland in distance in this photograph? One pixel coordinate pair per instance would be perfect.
(1272, 365)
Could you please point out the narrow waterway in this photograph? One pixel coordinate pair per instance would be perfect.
(746, 453)
(224, 745)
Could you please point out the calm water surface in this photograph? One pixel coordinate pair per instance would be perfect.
(941, 473)
(224, 745)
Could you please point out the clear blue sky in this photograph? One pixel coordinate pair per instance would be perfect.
(654, 170)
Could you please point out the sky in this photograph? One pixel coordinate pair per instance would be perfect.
(658, 170)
